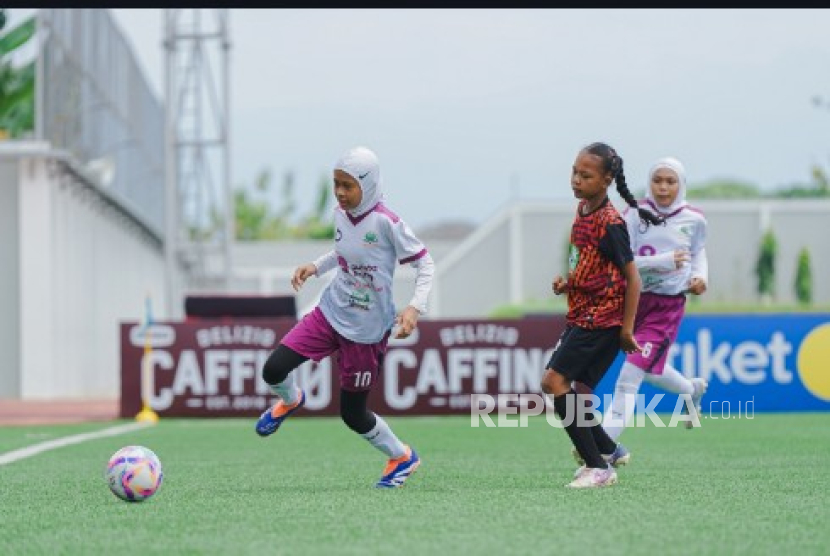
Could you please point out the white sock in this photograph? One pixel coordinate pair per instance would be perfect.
(624, 400)
(287, 390)
(382, 438)
(672, 381)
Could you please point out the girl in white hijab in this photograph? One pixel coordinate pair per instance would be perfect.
(672, 262)
(666, 191)
(362, 164)
(356, 314)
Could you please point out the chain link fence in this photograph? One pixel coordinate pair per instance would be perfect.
(95, 103)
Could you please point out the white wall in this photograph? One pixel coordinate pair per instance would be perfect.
(9, 281)
(514, 256)
(85, 265)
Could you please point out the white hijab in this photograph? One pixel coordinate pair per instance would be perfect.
(677, 167)
(362, 164)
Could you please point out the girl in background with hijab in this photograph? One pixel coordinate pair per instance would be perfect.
(356, 313)
(671, 260)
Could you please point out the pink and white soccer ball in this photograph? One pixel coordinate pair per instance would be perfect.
(134, 473)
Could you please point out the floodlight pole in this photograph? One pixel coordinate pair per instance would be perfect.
(197, 130)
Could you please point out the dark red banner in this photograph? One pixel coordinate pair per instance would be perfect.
(214, 368)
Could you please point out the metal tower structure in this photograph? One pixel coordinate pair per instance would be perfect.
(199, 217)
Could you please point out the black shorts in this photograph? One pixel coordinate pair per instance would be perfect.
(585, 354)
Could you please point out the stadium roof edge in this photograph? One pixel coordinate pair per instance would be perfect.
(43, 150)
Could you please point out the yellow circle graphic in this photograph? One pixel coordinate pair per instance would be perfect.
(814, 362)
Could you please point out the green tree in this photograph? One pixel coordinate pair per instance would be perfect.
(723, 189)
(288, 206)
(821, 181)
(817, 188)
(258, 218)
(250, 214)
(17, 84)
(804, 278)
(318, 225)
(765, 266)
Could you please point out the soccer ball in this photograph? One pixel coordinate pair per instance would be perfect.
(134, 473)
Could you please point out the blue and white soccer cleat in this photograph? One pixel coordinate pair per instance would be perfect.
(272, 418)
(398, 470)
(620, 456)
(701, 385)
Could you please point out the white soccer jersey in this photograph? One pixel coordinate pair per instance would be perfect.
(358, 301)
(654, 248)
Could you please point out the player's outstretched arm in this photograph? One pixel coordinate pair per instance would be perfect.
(301, 274)
(560, 285)
(406, 321)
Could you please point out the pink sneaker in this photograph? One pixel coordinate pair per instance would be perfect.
(591, 477)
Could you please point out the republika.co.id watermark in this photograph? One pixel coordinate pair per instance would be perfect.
(514, 410)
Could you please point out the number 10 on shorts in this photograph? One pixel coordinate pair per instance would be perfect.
(362, 379)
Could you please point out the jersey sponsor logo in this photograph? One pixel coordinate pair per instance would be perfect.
(344, 265)
(365, 278)
(573, 257)
(360, 300)
(649, 279)
(371, 238)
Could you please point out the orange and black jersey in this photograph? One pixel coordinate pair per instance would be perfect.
(599, 250)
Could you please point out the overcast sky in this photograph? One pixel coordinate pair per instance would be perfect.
(468, 108)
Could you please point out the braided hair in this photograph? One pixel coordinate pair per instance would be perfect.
(613, 163)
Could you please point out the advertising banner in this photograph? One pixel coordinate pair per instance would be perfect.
(753, 362)
(214, 369)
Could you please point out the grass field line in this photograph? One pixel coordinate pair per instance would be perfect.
(33, 450)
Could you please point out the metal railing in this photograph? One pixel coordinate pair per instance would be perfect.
(94, 102)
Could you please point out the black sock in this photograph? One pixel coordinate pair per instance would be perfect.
(582, 438)
(605, 443)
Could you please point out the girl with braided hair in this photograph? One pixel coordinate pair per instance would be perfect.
(603, 289)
